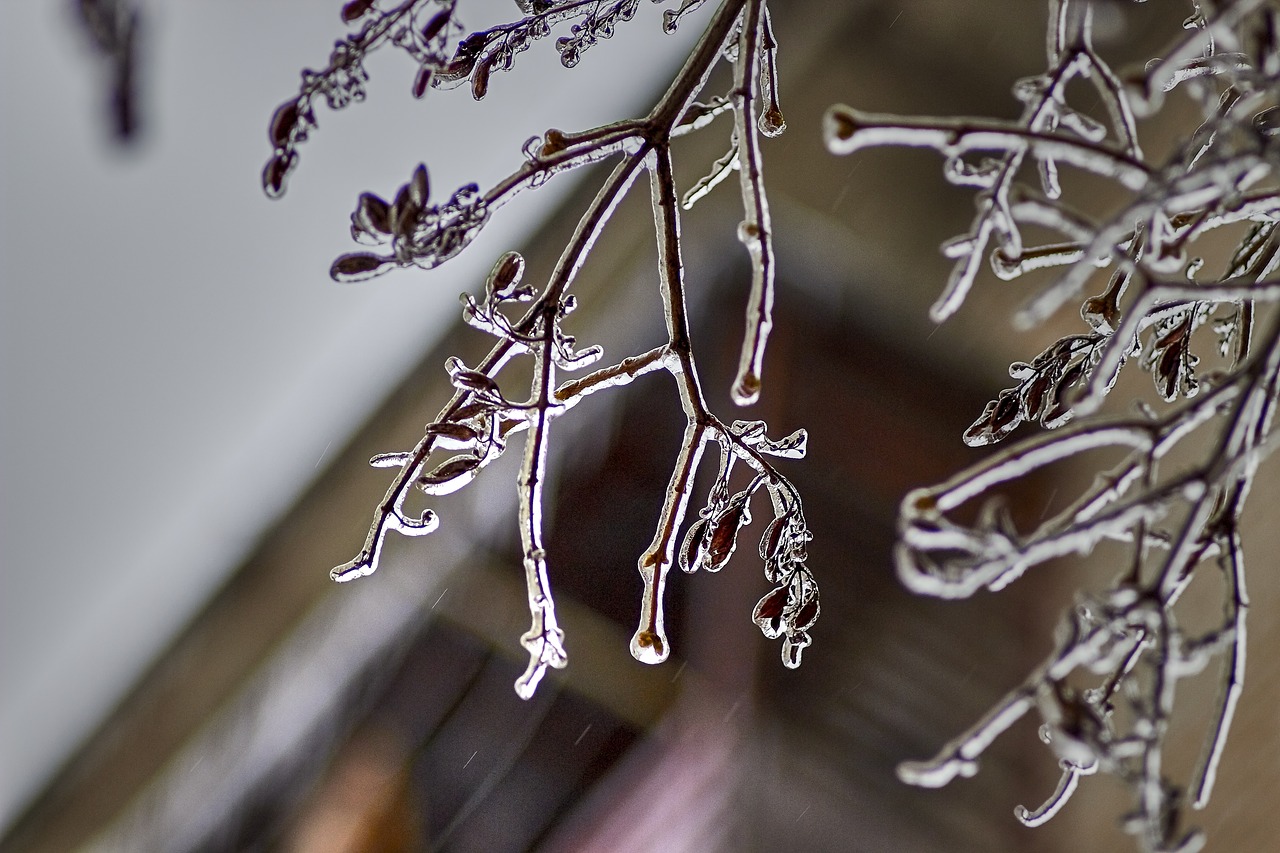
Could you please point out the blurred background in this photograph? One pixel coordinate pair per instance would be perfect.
(189, 403)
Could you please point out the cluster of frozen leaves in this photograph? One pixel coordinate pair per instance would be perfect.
(791, 608)
(528, 320)
(1106, 693)
(445, 53)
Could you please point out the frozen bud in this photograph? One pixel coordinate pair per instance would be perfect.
(476, 382)
(840, 125)
(1021, 370)
(553, 143)
(480, 78)
(372, 215)
(570, 53)
(389, 460)
(435, 25)
(981, 431)
(422, 82)
(746, 390)
(1168, 373)
(355, 10)
(275, 175)
(283, 123)
(419, 187)
(359, 266)
(648, 647)
(505, 275)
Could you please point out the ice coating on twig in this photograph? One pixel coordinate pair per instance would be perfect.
(755, 232)
(411, 228)
(1122, 648)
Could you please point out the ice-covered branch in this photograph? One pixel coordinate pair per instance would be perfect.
(756, 231)
(474, 427)
(1166, 287)
(849, 130)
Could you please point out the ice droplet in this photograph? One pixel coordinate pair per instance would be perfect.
(649, 646)
(772, 123)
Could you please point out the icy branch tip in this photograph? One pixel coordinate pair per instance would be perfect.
(746, 390)
(349, 571)
(847, 130)
(935, 774)
(649, 647)
(839, 127)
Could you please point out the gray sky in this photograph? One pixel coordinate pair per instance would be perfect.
(175, 364)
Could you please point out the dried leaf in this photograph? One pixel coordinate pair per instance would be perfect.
(1168, 373)
(772, 538)
(1060, 410)
(275, 174)
(692, 551)
(355, 10)
(458, 466)
(404, 212)
(1035, 394)
(806, 615)
(505, 275)
(422, 81)
(480, 78)
(768, 612)
(436, 23)
(283, 122)
(372, 215)
(475, 381)
(1005, 416)
(471, 411)
(359, 266)
(419, 186)
(452, 433)
(724, 531)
